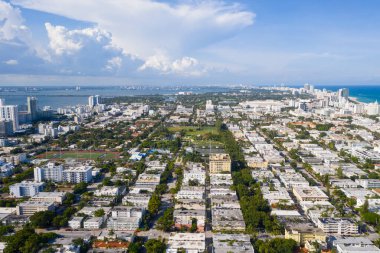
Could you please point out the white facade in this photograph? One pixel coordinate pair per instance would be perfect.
(25, 189)
(75, 175)
(93, 223)
(10, 112)
(338, 226)
(50, 172)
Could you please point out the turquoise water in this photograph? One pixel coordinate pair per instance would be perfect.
(364, 93)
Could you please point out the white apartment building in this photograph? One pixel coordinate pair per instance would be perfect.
(25, 189)
(125, 223)
(338, 226)
(191, 192)
(93, 223)
(50, 172)
(75, 175)
(76, 222)
(10, 112)
(127, 212)
(368, 183)
(190, 242)
(194, 172)
(109, 191)
(133, 199)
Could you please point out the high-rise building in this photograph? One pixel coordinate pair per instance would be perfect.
(6, 128)
(32, 107)
(343, 93)
(9, 112)
(94, 100)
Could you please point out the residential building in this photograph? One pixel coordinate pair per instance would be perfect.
(75, 175)
(50, 172)
(219, 163)
(10, 112)
(28, 208)
(184, 218)
(310, 193)
(93, 223)
(340, 226)
(25, 189)
(190, 242)
(56, 197)
(76, 222)
(124, 223)
(354, 245)
(302, 232)
(238, 243)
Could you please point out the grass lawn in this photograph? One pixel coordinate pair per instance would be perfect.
(82, 155)
(193, 130)
(208, 143)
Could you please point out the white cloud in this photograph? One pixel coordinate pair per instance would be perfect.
(11, 22)
(141, 27)
(127, 36)
(64, 41)
(185, 66)
(114, 63)
(11, 62)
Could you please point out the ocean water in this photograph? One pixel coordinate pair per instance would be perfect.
(364, 93)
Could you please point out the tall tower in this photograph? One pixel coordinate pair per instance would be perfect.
(32, 107)
(10, 112)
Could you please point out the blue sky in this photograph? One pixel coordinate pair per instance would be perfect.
(189, 42)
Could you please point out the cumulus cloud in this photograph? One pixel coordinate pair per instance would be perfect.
(11, 23)
(86, 51)
(141, 27)
(185, 66)
(132, 37)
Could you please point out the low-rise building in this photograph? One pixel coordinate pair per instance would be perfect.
(76, 222)
(56, 197)
(227, 219)
(302, 232)
(140, 200)
(368, 183)
(219, 163)
(310, 193)
(190, 242)
(238, 243)
(354, 245)
(191, 192)
(127, 212)
(30, 207)
(184, 218)
(25, 189)
(338, 226)
(93, 223)
(124, 223)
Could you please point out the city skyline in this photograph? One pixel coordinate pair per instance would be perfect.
(188, 42)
